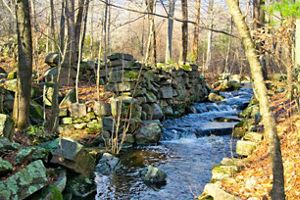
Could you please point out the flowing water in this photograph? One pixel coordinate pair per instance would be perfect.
(190, 147)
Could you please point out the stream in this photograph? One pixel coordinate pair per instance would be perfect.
(190, 147)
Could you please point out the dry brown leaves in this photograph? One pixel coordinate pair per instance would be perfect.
(255, 180)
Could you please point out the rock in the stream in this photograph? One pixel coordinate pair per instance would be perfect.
(108, 164)
(6, 126)
(25, 182)
(5, 166)
(245, 148)
(153, 175)
(217, 193)
(149, 133)
(74, 156)
(213, 97)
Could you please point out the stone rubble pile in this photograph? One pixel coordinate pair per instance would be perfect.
(142, 96)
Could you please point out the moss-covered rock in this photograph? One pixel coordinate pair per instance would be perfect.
(5, 166)
(31, 154)
(25, 182)
(245, 148)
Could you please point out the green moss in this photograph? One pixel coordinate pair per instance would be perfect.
(132, 75)
(56, 194)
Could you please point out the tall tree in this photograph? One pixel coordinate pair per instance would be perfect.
(52, 25)
(151, 45)
(258, 26)
(169, 43)
(71, 50)
(261, 91)
(22, 96)
(185, 31)
(297, 44)
(210, 33)
(197, 31)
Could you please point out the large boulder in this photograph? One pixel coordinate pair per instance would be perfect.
(6, 126)
(25, 182)
(149, 133)
(153, 175)
(74, 156)
(108, 164)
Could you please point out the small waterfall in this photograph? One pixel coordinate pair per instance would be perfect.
(209, 118)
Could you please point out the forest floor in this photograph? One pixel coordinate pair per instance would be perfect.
(255, 180)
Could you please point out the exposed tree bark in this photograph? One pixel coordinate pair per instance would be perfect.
(151, 46)
(52, 25)
(258, 26)
(260, 88)
(226, 67)
(210, 33)
(71, 49)
(169, 42)
(105, 20)
(297, 44)
(62, 26)
(79, 21)
(22, 96)
(197, 31)
(185, 31)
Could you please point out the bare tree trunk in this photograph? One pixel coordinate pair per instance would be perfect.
(258, 23)
(210, 34)
(52, 25)
(22, 96)
(108, 29)
(78, 24)
(169, 42)
(105, 38)
(62, 26)
(261, 90)
(92, 32)
(197, 31)
(85, 11)
(185, 31)
(151, 46)
(226, 67)
(297, 44)
(71, 50)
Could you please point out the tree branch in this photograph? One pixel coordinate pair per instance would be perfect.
(166, 17)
